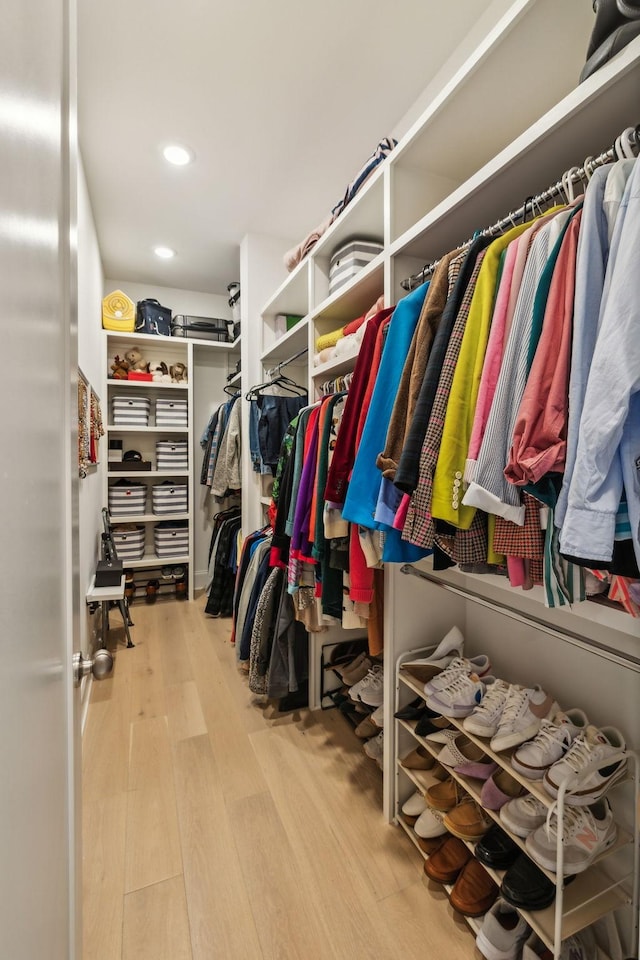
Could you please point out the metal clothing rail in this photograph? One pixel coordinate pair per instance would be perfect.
(569, 636)
(285, 363)
(626, 145)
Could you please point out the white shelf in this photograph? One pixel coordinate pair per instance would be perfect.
(120, 474)
(148, 517)
(146, 385)
(363, 218)
(333, 368)
(292, 296)
(114, 428)
(265, 501)
(235, 380)
(151, 560)
(162, 342)
(102, 594)
(354, 298)
(289, 343)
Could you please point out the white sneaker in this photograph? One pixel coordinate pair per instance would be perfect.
(377, 716)
(587, 832)
(479, 665)
(373, 673)
(374, 748)
(551, 742)
(372, 693)
(459, 698)
(523, 815)
(449, 647)
(524, 711)
(483, 722)
(594, 746)
(503, 933)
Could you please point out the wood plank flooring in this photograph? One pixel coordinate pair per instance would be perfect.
(216, 828)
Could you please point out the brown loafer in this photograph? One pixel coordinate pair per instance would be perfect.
(445, 864)
(429, 845)
(444, 795)
(467, 820)
(474, 892)
(418, 759)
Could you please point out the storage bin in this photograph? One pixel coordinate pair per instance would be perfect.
(171, 538)
(131, 411)
(171, 413)
(129, 541)
(349, 259)
(126, 497)
(200, 328)
(169, 497)
(172, 455)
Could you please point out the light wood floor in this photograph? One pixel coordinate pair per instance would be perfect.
(218, 829)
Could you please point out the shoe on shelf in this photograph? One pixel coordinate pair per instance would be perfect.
(356, 671)
(479, 665)
(366, 729)
(581, 946)
(377, 717)
(374, 748)
(181, 589)
(500, 789)
(503, 933)
(414, 805)
(460, 697)
(430, 845)
(433, 723)
(523, 815)
(129, 585)
(346, 652)
(418, 759)
(496, 849)
(445, 864)
(550, 744)
(372, 691)
(467, 820)
(429, 824)
(460, 750)
(592, 747)
(373, 677)
(151, 591)
(411, 711)
(445, 795)
(427, 667)
(474, 892)
(587, 832)
(526, 887)
(484, 720)
(524, 711)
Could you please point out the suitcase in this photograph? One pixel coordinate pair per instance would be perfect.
(201, 328)
(152, 317)
(349, 259)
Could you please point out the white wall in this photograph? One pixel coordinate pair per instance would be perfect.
(90, 360)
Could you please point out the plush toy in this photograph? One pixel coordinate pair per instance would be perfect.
(178, 373)
(119, 368)
(159, 371)
(135, 361)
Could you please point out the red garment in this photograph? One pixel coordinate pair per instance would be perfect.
(345, 449)
(360, 575)
(373, 373)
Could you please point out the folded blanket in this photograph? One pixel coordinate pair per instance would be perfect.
(323, 356)
(293, 257)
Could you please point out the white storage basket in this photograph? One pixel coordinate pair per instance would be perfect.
(169, 497)
(349, 259)
(172, 455)
(171, 538)
(127, 498)
(131, 411)
(129, 542)
(171, 413)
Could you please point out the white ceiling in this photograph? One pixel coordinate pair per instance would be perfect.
(281, 102)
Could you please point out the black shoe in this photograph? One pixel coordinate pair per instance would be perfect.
(412, 711)
(431, 723)
(496, 849)
(295, 701)
(525, 886)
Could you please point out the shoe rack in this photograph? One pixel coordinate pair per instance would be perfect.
(591, 895)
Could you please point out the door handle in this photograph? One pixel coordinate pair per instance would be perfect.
(100, 666)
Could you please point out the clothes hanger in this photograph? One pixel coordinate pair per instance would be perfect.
(231, 391)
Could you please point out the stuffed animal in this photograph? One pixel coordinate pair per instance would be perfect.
(178, 373)
(119, 368)
(135, 361)
(159, 371)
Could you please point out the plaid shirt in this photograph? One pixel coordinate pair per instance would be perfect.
(418, 526)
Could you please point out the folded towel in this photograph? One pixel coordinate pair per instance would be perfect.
(323, 356)
(329, 340)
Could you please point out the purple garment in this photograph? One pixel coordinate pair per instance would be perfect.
(300, 536)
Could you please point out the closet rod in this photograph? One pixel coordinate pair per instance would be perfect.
(574, 175)
(569, 636)
(285, 363)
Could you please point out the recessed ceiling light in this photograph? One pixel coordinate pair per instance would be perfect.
(177, 155)
(165, 253)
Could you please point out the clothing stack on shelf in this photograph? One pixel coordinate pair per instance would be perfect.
(344, 341)
(485, 400)
(487, 765)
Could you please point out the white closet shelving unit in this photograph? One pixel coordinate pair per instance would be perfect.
(170, 350)
(502, 129)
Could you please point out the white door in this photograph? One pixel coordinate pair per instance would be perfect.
(39, 601)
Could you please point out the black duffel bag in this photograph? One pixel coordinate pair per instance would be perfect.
(152, 317)
(617, 24)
